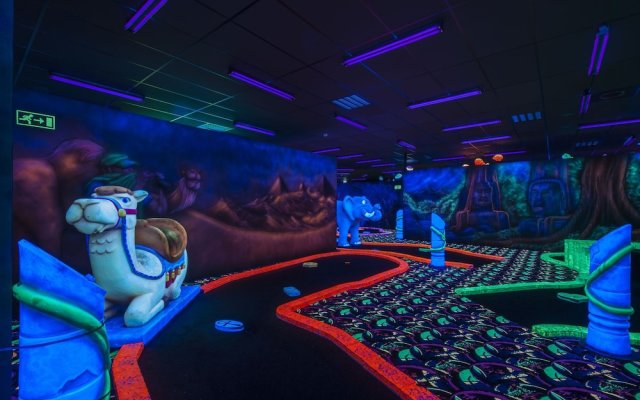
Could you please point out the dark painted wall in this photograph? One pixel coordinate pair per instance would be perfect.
(381, 193)
(535, 204)
(6, 118)
(243, 203)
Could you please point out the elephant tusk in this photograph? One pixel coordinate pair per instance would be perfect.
(369, 215)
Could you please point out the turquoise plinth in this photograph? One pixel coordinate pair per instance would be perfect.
(399, 225)
(119, 334)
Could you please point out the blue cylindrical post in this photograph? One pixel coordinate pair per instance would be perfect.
(437, 241)
(399, 225)
(608, 330)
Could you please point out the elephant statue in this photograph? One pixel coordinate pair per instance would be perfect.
(350, 214)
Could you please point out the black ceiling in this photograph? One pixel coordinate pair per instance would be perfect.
(526, 56)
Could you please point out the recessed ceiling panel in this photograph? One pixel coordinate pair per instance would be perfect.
(290, 34)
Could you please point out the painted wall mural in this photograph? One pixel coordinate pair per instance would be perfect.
(536, 204)
(243, 203)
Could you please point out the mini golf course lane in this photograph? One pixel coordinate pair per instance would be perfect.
(271, 358)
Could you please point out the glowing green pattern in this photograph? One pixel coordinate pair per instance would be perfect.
(579, 332)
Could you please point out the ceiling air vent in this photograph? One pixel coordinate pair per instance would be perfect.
(588, 143)
(519, 118)
(351, 102)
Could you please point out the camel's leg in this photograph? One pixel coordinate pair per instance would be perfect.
(110, 309)
(142, 309)
(173, 292)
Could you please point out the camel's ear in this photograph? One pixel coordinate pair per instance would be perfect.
(140, 195)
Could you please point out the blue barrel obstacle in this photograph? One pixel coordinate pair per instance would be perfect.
(438, 242)
(64, 350)
(609, 291)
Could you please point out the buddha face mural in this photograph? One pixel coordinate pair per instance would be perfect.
(547, 197)
(482, 197)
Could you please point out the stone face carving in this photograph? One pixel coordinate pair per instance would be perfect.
(140, 263)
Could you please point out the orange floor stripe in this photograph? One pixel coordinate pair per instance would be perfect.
(127, 377)
(451, 249)
(207, 287)
(387, 373)
(130, 384)
(453, 264)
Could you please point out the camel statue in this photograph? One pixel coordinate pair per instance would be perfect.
(140, 263)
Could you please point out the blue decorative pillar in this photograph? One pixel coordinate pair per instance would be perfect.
(609, 290)
(399, 224)
(64, 351)
(438, 241)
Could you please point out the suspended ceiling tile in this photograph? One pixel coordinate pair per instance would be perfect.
(248, 49)
(290, 33)
(347, 23)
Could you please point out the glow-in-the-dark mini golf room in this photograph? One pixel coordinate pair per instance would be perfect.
(286, 199)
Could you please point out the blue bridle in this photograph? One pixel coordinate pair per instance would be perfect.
(122, 224)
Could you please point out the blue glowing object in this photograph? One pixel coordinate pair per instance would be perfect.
(57, 359)
(229, 325)
(608, 332)
(437, 257)
(291, 291)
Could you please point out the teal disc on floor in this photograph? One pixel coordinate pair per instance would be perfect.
(291, 291)
(229, 325)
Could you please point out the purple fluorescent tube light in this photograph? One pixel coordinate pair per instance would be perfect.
(345, 169)
(369, 161)
(584, 102)
(599, 47)
(445, 99)
(330, 150)
(396, 44)
(351, 122)
(146, 18)
(95, 87)
(610, 123)
(261, 85)
(383, 165)
(487, 139)
(628, 141)
(348, 156)
(474, 125)
(406, 145)
(395, 171)
(252, 128)
(138, 13)
(449, 158)
(507, 153)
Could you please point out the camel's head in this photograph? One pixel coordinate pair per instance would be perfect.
(106, 209)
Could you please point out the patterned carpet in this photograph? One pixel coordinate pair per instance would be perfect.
(459, 349)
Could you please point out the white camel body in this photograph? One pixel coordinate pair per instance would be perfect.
(112, 258)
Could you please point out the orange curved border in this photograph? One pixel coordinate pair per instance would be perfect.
(453, 264)
(207, 287)
(387, 373)
(428, 246)
(130, 384)
(127, 376)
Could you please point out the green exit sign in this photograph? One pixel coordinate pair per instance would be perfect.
(35, 120)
